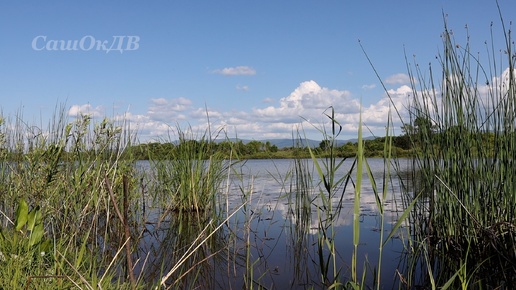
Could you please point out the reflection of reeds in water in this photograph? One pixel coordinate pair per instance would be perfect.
(300, 213)
(326, 198)
(332, 187)
(167, 243)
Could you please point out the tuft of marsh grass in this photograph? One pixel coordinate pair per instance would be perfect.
(60, 186)
(190, 179)
(188, 190)
(461, 125)
(467, 165)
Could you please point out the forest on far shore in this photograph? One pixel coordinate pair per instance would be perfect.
(263, 150)
(406, 145)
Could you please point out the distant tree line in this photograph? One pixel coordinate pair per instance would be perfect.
(421, 132)
(263, 150)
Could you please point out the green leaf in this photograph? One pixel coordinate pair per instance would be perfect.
(36, 235)
(21, 215)
(82, 250)
(401, 219)
(33, 218)
(46, 246)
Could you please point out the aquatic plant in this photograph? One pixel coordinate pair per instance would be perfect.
(467, 168)
(462, 126)
(65, 180)
(189, 180)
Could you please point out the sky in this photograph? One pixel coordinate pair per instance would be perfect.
(250, 69)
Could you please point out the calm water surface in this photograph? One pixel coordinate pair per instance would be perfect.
(282, 248)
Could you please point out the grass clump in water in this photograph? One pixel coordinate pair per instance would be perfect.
(465, 133)
(190, 178)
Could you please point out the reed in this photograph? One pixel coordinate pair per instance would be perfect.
(190, 179)
(55, 176)
(463, 126)
(196, 218)
(332, 187)
(300, 198)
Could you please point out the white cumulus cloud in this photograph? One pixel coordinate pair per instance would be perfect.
(305, 107)
(398, 79)
(236, 71)
(307, 100)
(86, 109)
(242, 88)
(169, 110)
(369, 87)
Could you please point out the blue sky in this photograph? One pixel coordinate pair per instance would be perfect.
(260, 68)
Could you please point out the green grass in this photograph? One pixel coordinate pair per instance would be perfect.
(469, 181)
(190, 178)
(56, 204)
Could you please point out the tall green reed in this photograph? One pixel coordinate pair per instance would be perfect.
(190, 179)
(329, 203)
(468, 167)
(61, 171)
(189, 187)
(300, 198)
(332, 188)
(462, 130)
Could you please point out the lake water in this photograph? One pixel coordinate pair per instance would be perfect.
(273, 244)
